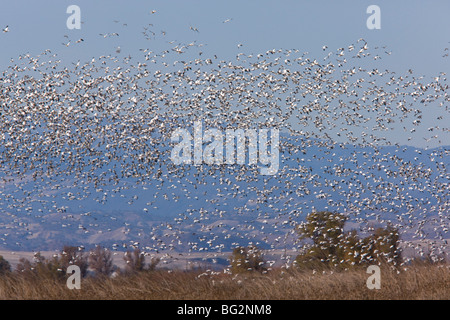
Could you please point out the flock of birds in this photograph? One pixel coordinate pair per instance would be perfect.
(100, 128)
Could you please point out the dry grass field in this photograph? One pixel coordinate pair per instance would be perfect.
(418, 282)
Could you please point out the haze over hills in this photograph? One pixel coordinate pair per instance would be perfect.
(214, 209)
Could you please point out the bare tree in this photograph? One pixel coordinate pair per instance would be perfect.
(135, 260)
(41, 267)
(100, 261)
(5, 267)
(74, 256)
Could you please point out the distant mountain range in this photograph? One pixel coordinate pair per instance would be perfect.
(215, 208)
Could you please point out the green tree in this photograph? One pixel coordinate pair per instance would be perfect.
(351, 249)
(383, 246)
(326, 230)
(334, 248)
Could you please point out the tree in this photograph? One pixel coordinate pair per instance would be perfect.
(245, 259)
(153, 263)
(71, 255)
(383, 246)
(326, 230)
(352, 249)
(100, 261)
(135, 260)
(24, 267)
(41, 267)
(5, 267)
(323, 227)
(334, 248)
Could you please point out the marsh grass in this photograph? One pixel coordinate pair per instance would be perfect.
(414, 282)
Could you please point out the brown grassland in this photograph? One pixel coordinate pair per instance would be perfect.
(413, 282)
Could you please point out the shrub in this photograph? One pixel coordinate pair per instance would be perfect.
(41, 267)
(5, 267)
(71, 255)
(383, 246)
(100, 261)
(334, 248)
(246, 259)
(135, 261)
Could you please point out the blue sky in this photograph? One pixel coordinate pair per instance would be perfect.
(416, 32)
